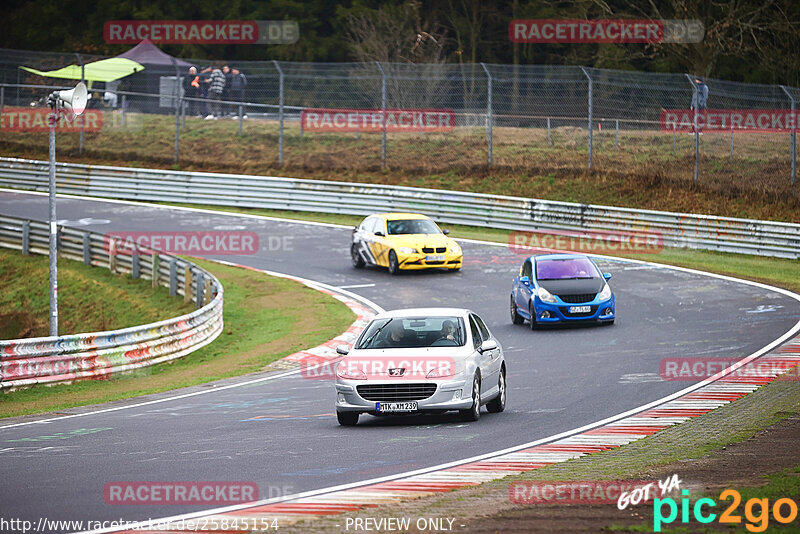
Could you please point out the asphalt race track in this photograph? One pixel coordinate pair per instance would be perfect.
(282, 434)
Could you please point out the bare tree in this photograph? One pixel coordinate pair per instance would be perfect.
(409, 48)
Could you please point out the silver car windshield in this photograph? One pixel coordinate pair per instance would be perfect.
(412, 226)
(413, 332)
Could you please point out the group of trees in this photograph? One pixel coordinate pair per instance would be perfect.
(745, 40)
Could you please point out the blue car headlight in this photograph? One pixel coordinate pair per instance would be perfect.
(545, 296)
(605, 294)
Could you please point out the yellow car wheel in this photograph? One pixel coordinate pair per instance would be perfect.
(394, 265)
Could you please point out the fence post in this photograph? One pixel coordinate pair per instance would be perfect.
(549, 142)
(616, 141)
(673, 139)
(241, 117)
(87, 248)
(383, 115)
(2, 99)
(731, 142)
(591, 139)
(112, 256)
(124, 102)
(177, 106)
(80, 62)
(154, 270)
(173, 278)
(792, 137)
(280, 112)
(489, 116)
(135, 266)
(696, 130)
(26, 237)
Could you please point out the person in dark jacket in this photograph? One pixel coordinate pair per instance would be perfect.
(238, 86)
(191, 91)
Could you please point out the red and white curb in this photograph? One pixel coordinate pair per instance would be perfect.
(715, 392)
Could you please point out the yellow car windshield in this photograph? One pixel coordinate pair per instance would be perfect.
(412, 226)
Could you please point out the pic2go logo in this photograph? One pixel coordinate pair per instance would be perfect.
(783, 510)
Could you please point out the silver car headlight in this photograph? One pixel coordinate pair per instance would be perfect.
(605, 294)
(545, 296)
(407, 250)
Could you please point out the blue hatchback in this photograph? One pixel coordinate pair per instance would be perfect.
(561, 288)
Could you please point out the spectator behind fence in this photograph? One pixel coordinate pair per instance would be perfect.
(238, 86)
(216, 86)
(191, 90)
(110, 95)
(226, 93)
(699, 101)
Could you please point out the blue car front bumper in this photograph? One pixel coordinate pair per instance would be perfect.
(560, 311)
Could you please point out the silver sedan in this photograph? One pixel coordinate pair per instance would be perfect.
(421, 360)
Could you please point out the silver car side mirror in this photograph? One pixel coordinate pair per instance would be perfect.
(489, 344)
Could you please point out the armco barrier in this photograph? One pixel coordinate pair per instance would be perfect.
(726, 234)
(25, 362)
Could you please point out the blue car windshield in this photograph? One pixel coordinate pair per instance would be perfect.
(412, 226)
(566, 269)
(413, 332)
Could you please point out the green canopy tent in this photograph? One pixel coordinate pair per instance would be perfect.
(105, 70)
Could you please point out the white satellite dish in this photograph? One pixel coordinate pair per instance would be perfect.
(74, 100)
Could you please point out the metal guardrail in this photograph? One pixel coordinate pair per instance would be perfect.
(745, 236)
(25, 362)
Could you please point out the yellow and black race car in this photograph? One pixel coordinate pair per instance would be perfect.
(403, 241)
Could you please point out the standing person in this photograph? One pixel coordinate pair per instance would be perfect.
(216, 85)
(226, 93)
(238, 85)
(699, 100)
(191, 90)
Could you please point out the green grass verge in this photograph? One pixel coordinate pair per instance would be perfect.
(90, 299)
(775, 271)
(263, 322)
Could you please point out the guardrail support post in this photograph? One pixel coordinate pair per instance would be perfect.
(112, 257)
(489, 116)
(53, 241)
(792, 137)
(135, 266)
(87, 248)
(383, 115)
(280, 112)
(198, 299)
(154, 270)
(187, 284)
(26, 237)
(696, 130)
(591, 136)
(173, 278)
(549, 141)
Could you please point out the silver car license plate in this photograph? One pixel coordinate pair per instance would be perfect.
(387, 407)
(580, 309)
(435, 257)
